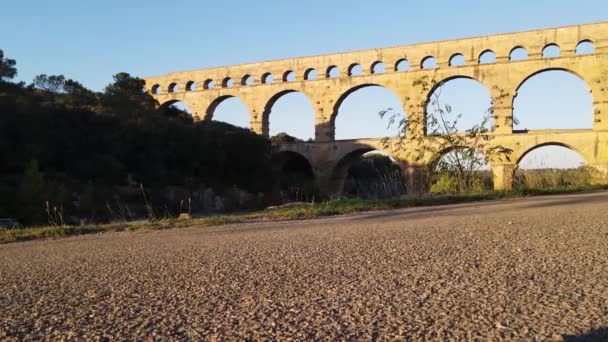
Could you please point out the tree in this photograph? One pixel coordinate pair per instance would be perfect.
(7, 68)
(127, 97)
(53, 83)
(459, 155)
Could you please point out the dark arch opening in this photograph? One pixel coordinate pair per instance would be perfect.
(429, 63)
(173, 87)
(462, 102)
(209, 84)
(332, 72)
(292, 113)
(402, 65)
(289, 76)
(310, 74)
(487, 57)
(247, 80)
(227, 82)
(552, 165)
(267, 78)
(553, 99)
(156, 89)
(177, 109)
(585, 47)
(378, 67)
(190, 86)
(457, 60)
(295, 178)
(551, 51)
(367, 173)
(518, 53)
(356, 113)
(229, 109)
(355, 70)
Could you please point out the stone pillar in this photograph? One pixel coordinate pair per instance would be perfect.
(502, 105)
(600, 114)
(258, 127)
(599, 173)
(416, 178)
(503, 175)
(325, 129)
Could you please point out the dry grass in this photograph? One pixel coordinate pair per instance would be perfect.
(329, 208)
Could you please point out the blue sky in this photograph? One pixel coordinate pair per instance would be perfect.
(89, 41)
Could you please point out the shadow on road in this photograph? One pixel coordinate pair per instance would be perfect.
(600, 334)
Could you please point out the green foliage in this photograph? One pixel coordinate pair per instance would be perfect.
(54, 83)
(86, 153)
(283, 138)
(7, 67)
(30, 195)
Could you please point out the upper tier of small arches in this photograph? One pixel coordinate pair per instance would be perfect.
(378, 66)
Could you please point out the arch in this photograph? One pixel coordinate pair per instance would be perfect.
(227, 82)
(378, 67)
(355, 69)
(267, 78)
(518, 53)
(232, 116)
(289, 76)
(551, 51)
(209, 84)
(552, 165)
(295, 177)
(458, 97)
(332, 71)
(310, 74)
(368, 101)
(304, 124)
(487, 57)
(173, 87)
(545, 103)
(176, 109)
(156, 89)
(377, 177)
(190, 86)
(533, 148)
(457, 59)
(585, 47)
(428, 62)
(247, 80)
(402, 65)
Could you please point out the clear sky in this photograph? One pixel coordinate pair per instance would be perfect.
(89, 41)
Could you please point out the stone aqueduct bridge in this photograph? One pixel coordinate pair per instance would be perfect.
(260, 85)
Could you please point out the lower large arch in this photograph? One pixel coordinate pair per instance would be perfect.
(229, 109)
(554, 159)
(177, 109)
(553, 98)
(356, 112)
(295, 178)
(367, 173)
(552, 165)
(289, 112)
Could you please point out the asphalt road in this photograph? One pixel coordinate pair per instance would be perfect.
(529, 269)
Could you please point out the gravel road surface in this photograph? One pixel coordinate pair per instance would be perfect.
(528, 269)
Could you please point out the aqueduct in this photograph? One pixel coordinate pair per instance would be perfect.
(327, 79)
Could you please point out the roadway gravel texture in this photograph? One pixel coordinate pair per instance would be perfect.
(531, 269)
